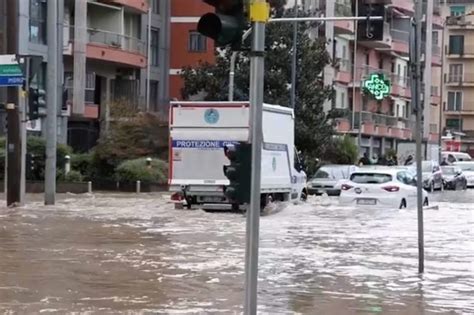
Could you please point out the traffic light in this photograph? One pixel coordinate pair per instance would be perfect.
(370, 30)
(238, 172)
(36, 100)
(225, 26)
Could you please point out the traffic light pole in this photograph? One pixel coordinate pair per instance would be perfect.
(51, 108)
(253, 213)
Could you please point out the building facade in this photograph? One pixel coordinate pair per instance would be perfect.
(121, 64)
(187, 45)
(380, 125)
(458, 76)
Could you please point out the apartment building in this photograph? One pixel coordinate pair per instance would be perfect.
(120, 66)
(381, 124)
(188, 46)
(458, 88)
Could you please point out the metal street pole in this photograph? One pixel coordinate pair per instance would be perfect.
(354, 80)
(259, 11)
(293, 58)
(419, 127)
(233, 58)
(148, 63)
(13, 156)
(23, 116)
(441, 96)
(51, 107)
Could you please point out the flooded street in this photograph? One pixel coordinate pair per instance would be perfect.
(105, 253)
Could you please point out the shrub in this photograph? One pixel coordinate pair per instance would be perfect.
(37, 146)
(73, 177)
(82, 163)
(134, 170)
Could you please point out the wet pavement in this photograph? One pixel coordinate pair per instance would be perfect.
(109, 253)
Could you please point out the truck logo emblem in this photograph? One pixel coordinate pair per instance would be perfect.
(211, 116)
(274, 164)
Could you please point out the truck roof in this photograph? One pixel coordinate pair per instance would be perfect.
(268, 107)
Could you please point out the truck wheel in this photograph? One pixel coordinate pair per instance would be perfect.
(304, 195)
(265, 199)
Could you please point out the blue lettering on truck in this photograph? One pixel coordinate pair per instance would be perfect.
(201, 144)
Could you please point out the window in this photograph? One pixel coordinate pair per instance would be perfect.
(456, 44)
(155, 6)
(197, 42)
(435, 38)
(454, 124)
(38, 21)
(380, 63)
(454, 101)
(343, 100)
(457, 10)
(455, 73)
(371, 178)
(89, 94)
(154, 85)
(39, 78)
(155, 47)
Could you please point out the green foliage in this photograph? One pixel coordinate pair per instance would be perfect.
(36, 146)
(131, 135)
(134, 170)
(82, 163)
(73, 177)
(341, 150)
(313, 128)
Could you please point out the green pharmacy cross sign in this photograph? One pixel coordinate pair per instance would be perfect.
(377, 85)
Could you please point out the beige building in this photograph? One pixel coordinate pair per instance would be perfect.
(458, 87)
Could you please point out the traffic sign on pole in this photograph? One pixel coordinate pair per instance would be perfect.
(10, 71)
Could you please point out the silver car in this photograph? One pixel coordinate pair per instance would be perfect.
(327, 179)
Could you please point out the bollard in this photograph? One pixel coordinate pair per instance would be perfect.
(139, 184)
(89, 187)
(67, 165)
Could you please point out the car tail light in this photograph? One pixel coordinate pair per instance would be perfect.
(346, 187)
(176, 196)
(391, 188)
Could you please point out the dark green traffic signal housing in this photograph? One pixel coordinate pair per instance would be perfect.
(36, 101)
(226, 25)
(238, 172)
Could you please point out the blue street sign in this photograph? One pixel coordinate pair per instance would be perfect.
(11, 80)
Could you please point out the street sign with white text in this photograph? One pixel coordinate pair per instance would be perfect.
(10, 71)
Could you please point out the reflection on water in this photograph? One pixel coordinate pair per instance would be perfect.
(117, 253)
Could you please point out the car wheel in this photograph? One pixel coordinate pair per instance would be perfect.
(403, 204)
(426, 202)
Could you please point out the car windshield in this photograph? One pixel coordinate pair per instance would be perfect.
(466, 166)
(462, 157)
(331, 173)
(449, 170)
(426, 167)
(371, 178)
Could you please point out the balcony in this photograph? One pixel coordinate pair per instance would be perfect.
(465, 52)
(400, 41)
(457, 79)
(114, 47)
(406, 6)
(140, 6)
(343, 71)
(385, 43)
(460, 22)
(377, 125)
(435, 97)
(467, 109)
(343, 9)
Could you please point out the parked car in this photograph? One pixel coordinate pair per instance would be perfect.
(389, 187)
(432, 175)
(453, 178)
(452, 157)
(467, 169)
(328, 179)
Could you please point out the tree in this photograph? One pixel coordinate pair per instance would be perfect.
(313, 128)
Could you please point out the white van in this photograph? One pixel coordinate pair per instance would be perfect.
(452, 157)
(198, 133)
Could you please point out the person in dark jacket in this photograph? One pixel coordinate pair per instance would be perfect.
(365, 160)
(409, 160)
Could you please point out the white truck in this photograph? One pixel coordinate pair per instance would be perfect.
(198, 133)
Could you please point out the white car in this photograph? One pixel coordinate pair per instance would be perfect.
(388, 187)
(467, 169)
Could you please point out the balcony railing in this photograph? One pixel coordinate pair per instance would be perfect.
(113, 40)
(468, 50)
(461, 78)
(400, 35)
